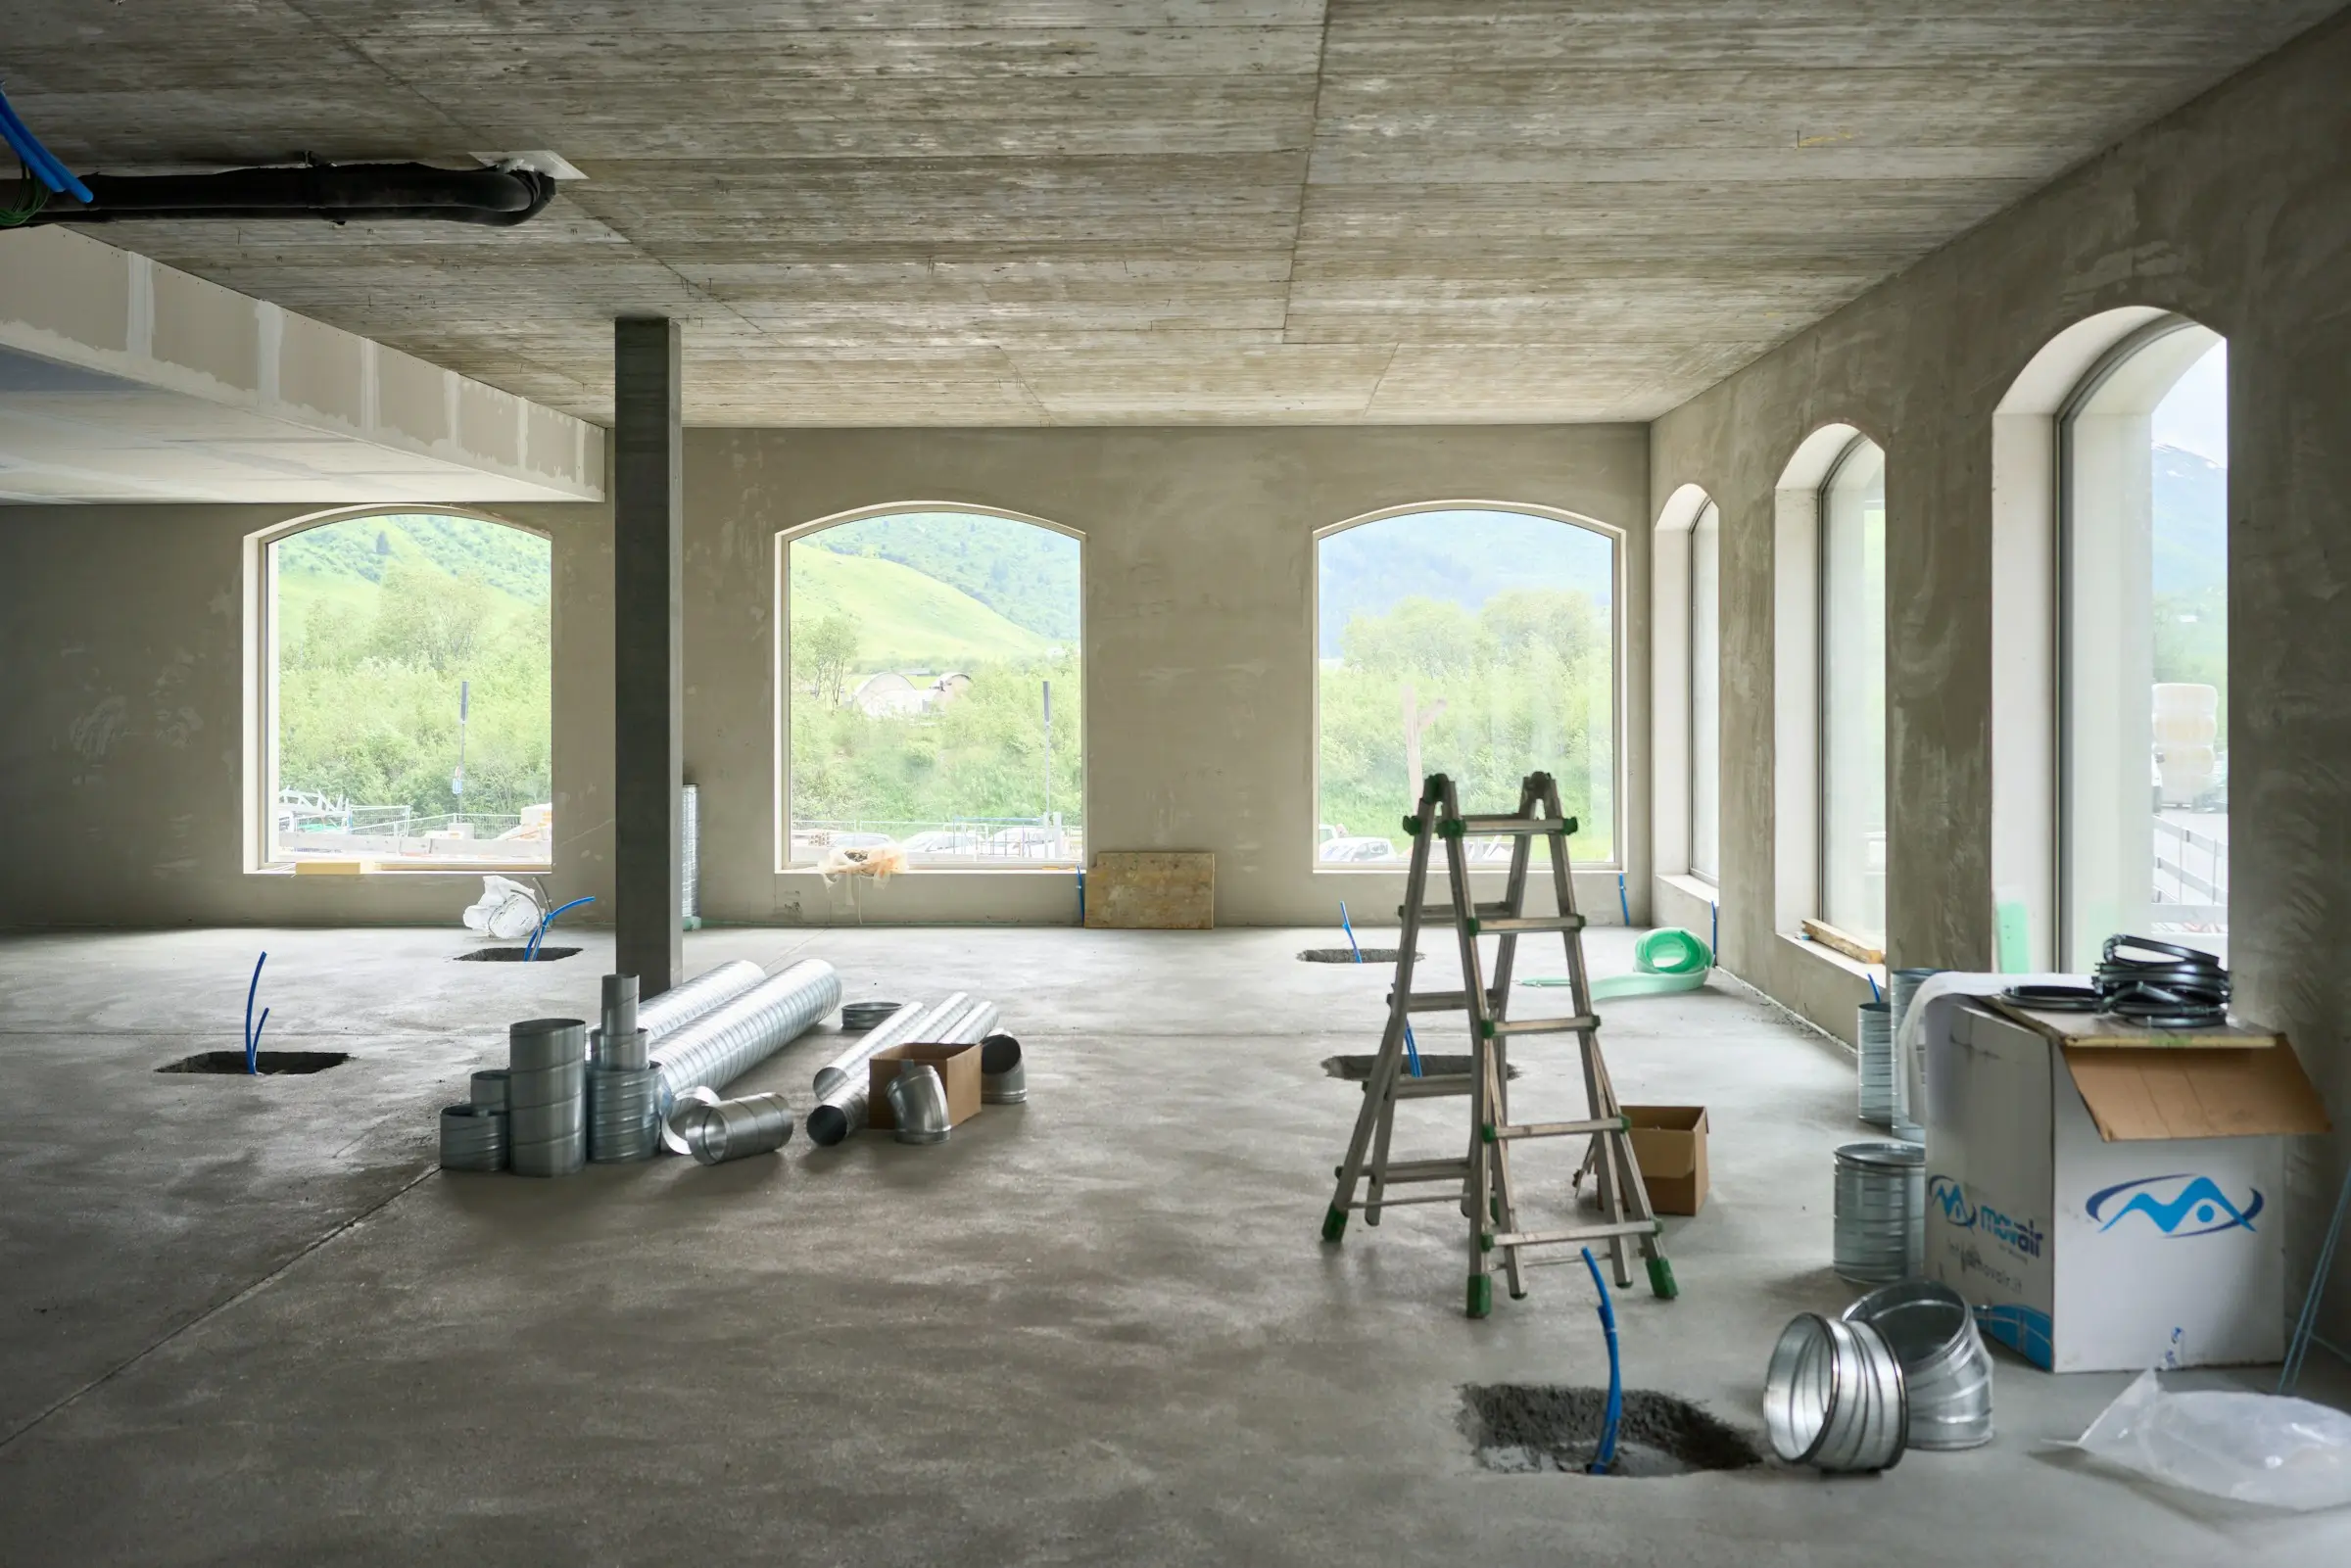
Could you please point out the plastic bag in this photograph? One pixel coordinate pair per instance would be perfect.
(2253, 1448)
(508, 911)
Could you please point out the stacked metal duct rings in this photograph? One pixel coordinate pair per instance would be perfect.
(489, 1089)
(1945, 1368)
(1872, 1027)
(1881, 1210)
(2178, 989)
(473, 1137)
(1834, 1396)
(624, 1113)
(547, 1092)
(735, 1130)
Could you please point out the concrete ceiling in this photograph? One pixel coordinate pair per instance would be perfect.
(1083, 212)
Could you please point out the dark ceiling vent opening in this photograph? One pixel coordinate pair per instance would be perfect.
(338, 193)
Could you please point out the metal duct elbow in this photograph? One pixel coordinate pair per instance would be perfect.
(337, 193)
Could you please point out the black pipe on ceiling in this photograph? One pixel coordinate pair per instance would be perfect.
(337, 193)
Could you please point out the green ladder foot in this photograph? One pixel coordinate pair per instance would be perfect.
(1660, 1280)
(1481, 1295)
(1334, 1223)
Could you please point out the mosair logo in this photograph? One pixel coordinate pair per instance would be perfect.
(2020, 1236)
(2180, 1205)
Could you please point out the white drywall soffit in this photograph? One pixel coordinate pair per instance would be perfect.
(122, 379)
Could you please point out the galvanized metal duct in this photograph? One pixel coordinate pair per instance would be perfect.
(681, 1005)
(960, 1019)
(899, 1026)
(721, 1046)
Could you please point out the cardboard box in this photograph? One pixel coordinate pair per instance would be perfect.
(958, 1068)
(1670, 1145)
(2110, 1208)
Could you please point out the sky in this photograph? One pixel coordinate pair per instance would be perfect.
(2194, 415)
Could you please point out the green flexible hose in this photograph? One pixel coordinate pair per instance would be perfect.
(1670, 960)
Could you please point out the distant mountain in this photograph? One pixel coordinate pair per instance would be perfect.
(516, 563)
(1026, 574)
(2191, 498)
(1464, 556)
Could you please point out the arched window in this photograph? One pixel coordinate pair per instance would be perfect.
(934, 699)
(406, 712)
(1706, 694)
(1478, 641)
(2144, 644)
(1853, 694)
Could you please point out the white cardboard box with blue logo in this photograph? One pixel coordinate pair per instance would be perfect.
(2112, 1209)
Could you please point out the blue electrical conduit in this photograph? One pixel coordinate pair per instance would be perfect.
(1614, 1415)
(253, 1030)
(43, 162)
(530, 954)
(1412, 1050)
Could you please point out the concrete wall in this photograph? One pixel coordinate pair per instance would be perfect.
(2234, 211)
(120, 633)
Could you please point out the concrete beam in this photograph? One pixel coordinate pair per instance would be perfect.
(649, 543)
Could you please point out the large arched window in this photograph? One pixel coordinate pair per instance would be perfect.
(405, 702)
(2144, 644)
(933, 692)
(1706, 694)
(1853, 694)
(1478, 641)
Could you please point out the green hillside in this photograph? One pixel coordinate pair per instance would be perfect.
(1026, 574)
(905, 620)
(509, 560)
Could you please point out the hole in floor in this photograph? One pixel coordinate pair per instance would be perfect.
(1358, 1069)
(1346, 955)
(1531, 1428)
(268, 1064)
(514, 955)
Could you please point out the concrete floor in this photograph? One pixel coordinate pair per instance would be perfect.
(246, 1321)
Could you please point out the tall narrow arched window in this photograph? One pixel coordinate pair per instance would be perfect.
(1478, 641)
(406, 702)
(1853, 694)
(2143, 633)
(1706, 694)
(932, 694)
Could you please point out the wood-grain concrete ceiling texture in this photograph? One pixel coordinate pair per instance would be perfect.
(1089, 212)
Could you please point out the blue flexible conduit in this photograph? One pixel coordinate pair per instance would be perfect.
(39, 159)
(253, 1030)
(1607, 1455)
(1412, 1050)
(530, 954)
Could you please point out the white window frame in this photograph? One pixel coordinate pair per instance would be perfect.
(1617, 568)
(780, 680)
(258, 807)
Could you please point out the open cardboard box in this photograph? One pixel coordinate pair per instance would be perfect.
(1670, 1145)
(958, 1068)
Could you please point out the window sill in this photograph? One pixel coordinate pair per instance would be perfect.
(1070, 870)
(1436, 867)
(1698, 888)
(1873, 973)
(399, 869)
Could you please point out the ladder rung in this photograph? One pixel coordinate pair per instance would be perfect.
(1568, 1026)
(1558, 1129)
(1552, 1238)
(1410, 1171)
(1442, 1001)
(1384, 1201)
(1443, 913)
(1495, 925)
(1486, 827)
(1408, 1087)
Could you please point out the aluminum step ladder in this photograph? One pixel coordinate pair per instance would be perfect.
(1481, 1182)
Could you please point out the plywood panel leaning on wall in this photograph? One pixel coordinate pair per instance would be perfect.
(1152, 890)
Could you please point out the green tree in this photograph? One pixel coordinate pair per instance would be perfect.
(824, 654)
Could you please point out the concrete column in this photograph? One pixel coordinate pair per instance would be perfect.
(649, 704)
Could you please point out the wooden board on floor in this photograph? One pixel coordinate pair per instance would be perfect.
(1151, 890)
